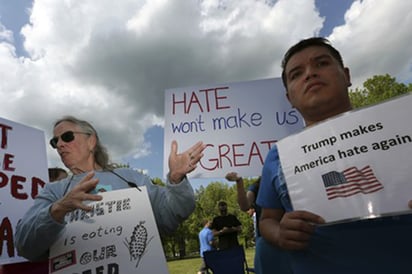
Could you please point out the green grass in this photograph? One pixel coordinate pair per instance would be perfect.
(191, 266)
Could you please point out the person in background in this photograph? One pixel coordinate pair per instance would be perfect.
(226, 227)
(81, 151)
(207, 243)
(55, 174)
(268, 258)
(317, 82)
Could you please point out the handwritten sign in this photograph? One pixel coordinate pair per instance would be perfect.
(357, 165)
(239, 123)
(118, 236)
(23, 173)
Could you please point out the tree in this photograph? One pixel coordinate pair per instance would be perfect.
(377, 89)
(185, 241)
(186, 236)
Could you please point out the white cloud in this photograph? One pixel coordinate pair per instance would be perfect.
(376, 39)
(109, 62)
(5, 34)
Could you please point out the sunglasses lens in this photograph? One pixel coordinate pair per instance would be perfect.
(66, 137)
(53, 142)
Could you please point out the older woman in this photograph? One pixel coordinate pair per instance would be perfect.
(80, 150)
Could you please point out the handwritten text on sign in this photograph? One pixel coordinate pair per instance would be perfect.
(238, 122)
(357, 165)
(119, 235)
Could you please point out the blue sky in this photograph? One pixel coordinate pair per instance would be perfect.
(110, 63)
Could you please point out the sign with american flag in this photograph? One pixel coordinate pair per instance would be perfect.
(350, 182)
(354, 166)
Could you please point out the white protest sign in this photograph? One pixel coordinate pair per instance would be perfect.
(118, 236)
(239, 123)
(23, 173)
(357, 165)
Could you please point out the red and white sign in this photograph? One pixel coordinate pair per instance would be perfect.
(23, 173)
(239, 123)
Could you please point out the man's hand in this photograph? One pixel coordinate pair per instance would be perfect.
(296, 228)
(233, 177)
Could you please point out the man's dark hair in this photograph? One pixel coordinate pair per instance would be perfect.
(222, 203)
(303, 44)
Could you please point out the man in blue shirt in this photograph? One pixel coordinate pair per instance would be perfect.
(317, 84)
(207, 243)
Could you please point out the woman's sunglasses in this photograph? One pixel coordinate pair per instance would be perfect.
(66, 137)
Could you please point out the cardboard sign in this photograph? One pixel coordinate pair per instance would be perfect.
(239, 123)
(118, 236)
(357, 165)
(23, 173)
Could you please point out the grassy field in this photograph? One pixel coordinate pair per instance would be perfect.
(191, 266)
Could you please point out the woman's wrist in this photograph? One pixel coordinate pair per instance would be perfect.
(57, 212)
(175, 178)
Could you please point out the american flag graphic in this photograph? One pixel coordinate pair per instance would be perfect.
(350, 182)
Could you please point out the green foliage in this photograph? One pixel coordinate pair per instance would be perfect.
(377, 89)
(207, 199)
(158, 181)
(120, 165)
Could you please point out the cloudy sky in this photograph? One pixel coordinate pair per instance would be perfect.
(109, 62)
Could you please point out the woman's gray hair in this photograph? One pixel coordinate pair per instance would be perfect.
(100, 153)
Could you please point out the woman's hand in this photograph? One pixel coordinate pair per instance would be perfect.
(74, 199)
(183, 163)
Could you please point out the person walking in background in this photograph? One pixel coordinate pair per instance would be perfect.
(80, 149)
(226, 227)
(317, 82)
(207, 243)
(268, 258)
